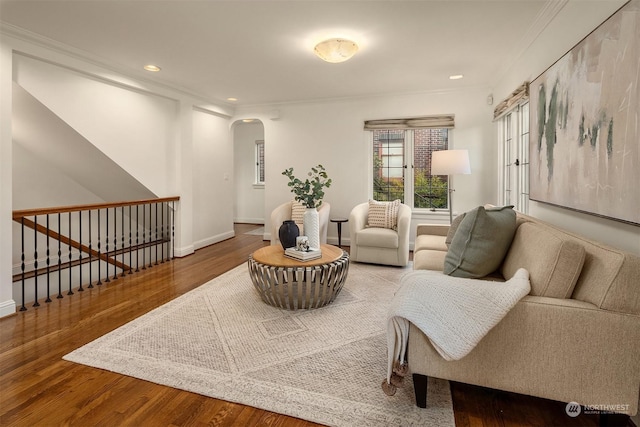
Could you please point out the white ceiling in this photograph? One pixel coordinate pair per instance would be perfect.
(261, 51)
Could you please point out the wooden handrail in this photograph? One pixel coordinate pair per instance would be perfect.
(61, 209)
(82, 248)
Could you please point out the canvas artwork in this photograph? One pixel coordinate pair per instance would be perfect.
(585, 140)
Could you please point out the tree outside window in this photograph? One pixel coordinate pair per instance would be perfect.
(402, 167)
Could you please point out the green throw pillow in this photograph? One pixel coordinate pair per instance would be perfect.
(481, 242)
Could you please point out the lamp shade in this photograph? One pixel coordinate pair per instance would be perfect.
(336, 50)
(450, 162)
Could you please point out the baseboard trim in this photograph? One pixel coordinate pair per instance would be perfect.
(213, 239)
(184, 251)
(7, 308)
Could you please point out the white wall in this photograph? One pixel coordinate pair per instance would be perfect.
(575, 21)
(331, 133)
(212, 179)
(130, 127)
(170, 142)
(7, 303)
(249, 198)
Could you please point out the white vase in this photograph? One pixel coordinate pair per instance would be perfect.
(312, 227)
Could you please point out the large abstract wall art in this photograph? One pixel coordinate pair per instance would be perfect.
(585, 139)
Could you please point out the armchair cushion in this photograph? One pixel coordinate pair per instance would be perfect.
(377, 237)
(481, 242)
(383, 214)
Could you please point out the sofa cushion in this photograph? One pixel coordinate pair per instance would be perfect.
(429, 241)
(481, 242)
(383, 214)
(377, 237)
(453, 228)
(554, 263)
(297, 214)
(429, 259)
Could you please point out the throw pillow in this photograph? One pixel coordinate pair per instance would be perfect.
(553, 261)
(383, 214)
(297, 215)
(452, 229)
(481, 242)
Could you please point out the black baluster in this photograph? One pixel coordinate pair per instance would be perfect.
(137, 238)
(173, 230)
(122, 274)
(115, 244)
(150, 238)
(130, 252)
(59, 258)
(91, 251)
(35, 259)
(106, 241)
(99, 253)
(164, 206)
(156, 233)
(22, 265)
(144, 238)
(48, 262)
(70, 257)
(80, 288)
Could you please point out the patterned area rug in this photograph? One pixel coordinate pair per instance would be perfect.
(324, 365)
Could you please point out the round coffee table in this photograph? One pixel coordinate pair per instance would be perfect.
(288, 283)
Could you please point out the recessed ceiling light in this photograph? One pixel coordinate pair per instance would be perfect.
(247, 120)
(232, 99)
(456, 77)
(335, 50)
(152, 68)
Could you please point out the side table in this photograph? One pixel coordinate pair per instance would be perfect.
(339, 222)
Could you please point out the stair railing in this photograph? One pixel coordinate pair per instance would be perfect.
(67, 248)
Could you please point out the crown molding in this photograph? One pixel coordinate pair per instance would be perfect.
(98, 67)
(547, 14)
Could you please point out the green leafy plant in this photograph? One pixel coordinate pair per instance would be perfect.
(310, 191)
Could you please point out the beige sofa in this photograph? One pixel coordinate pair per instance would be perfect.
(571, 344)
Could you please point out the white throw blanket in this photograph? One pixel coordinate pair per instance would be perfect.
(454, 313)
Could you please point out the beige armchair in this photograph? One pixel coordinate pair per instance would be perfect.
(283, 213)
(379, 245)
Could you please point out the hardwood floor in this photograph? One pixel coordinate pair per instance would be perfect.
(38, 388)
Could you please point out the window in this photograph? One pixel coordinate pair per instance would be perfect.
(402, 165)
(512, 119)
(513, 136)
(260, 162)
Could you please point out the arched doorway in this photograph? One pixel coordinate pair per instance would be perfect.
(248, 146)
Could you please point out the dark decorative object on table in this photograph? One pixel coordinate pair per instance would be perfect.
(287, 233)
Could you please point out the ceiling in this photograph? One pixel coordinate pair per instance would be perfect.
(261, 52)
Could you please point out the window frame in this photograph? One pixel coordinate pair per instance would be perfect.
(513, 142)
(409, 171)
(259, 171)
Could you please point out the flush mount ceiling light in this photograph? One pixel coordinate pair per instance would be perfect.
(456, 77)
(232, 99)
(335, 50)
(152, 68)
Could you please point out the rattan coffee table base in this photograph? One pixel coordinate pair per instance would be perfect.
(300, 286)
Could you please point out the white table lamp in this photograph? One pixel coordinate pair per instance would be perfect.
(450, 162)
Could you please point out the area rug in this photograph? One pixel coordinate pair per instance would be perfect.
(324, 365)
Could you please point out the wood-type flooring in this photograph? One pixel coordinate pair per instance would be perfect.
(38, 388)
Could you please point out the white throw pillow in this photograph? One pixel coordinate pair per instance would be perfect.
(383, 214)
(297, 215)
